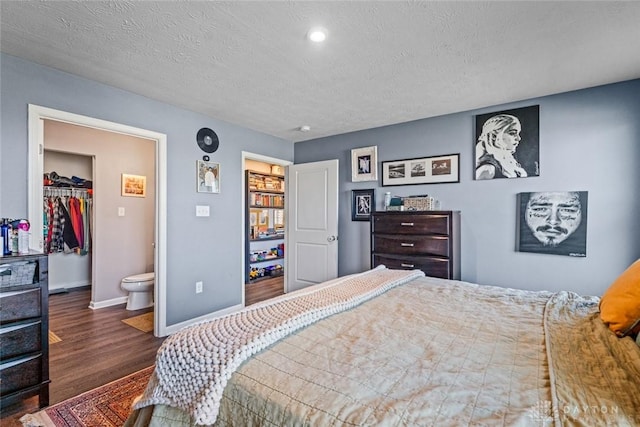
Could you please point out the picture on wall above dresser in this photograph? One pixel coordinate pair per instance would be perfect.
(553, 222)
(422, 170)
(508, 144)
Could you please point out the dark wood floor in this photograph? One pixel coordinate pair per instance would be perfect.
(263, 289)
(97, 347)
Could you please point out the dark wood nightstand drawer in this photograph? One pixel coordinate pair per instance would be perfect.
(20, 374)
(20, 339)
(19, 305)
(434, 267)
(411, 244)
(411, 224)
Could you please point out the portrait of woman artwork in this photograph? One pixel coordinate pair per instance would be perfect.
(507, 144)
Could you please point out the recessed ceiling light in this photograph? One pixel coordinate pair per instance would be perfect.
(304, 128)
(317, 35)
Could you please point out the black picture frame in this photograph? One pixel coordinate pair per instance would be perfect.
(422, 170)
(552, 222)
(363, 202)
(495, 156)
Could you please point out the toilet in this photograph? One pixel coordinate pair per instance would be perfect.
(140, 288)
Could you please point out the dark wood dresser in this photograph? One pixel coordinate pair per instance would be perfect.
(425, 240)
(24, 329)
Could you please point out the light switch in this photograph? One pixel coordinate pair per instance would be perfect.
(202, 210)
(120, 211)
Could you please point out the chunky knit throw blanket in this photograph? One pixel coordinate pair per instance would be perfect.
(194, 365)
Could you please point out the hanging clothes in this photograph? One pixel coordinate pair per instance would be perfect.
(66, 220)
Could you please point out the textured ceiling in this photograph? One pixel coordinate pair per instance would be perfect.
(249, 63)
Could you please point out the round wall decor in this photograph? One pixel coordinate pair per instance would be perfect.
(207, 140)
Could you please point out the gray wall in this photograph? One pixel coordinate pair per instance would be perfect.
(589, 141)
(206, 249)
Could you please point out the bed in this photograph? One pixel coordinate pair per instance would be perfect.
(396, 348)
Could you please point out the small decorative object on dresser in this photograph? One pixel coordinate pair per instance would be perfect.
(24, 329)
(425, 240)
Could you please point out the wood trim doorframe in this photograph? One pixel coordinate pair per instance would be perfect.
(37, 115)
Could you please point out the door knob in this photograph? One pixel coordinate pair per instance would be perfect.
(332, 239)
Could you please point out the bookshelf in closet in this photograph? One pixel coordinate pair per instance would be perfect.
(265, 226)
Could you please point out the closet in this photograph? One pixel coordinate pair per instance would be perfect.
(264, 218)
(68, 218)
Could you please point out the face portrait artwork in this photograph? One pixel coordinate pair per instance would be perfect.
(507, 144)
(553, 222)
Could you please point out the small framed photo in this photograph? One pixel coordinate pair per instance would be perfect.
(208, 176)
(364, 164)
(134, 185)
(424, 170)
(362, 204)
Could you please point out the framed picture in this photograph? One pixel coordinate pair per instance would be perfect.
(362, 204)
(263, 219)
(507, 144)
(134, 185)
(424, 170)
(208, 176)
(364, 164)
(553, 222)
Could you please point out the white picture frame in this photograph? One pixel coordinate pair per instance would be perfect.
(208, 177)
(364, 164)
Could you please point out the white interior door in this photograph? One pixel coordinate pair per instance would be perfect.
(311, 224)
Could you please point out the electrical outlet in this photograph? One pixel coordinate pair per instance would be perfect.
(198, 287)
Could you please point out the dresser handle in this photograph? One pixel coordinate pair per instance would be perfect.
(407, 224)
(406, 265)
(410, 245)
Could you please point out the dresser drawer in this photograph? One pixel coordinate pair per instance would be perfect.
(411, 224)
(18, 375)
(434, 267)
(19, 305)
(411, 244)
(20, 339)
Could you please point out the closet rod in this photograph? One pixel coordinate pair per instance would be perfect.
(66, 191)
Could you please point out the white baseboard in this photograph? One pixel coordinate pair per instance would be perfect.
(175, 328)
(108, 303)
(69, 285)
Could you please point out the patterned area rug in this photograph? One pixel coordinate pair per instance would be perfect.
(106, 406)
(143, 322)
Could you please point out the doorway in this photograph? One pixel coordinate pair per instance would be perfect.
(263, 229)
(70, 253)
(37, 117)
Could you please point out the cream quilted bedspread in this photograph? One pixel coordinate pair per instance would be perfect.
(437, 353)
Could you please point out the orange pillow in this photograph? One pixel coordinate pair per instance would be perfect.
(620, 304)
